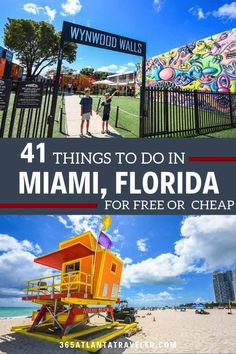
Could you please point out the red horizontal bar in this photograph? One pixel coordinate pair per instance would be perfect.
(48, 205)
(212, 158)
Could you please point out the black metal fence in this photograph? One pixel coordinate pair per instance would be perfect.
(26, 122)
(182, 113)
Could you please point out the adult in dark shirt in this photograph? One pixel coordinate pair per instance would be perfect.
(86, 111)
(106, 104)
(74, 88)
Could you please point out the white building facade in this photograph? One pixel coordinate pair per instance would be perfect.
(124, 82)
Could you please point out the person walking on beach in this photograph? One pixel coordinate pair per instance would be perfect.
(86, 111)
(106, 104)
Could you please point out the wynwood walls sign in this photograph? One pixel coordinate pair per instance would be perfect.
(92, 37)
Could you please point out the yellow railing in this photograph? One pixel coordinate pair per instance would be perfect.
(60, 283)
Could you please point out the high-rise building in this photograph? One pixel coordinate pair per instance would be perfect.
(223, 286)
(234, 281)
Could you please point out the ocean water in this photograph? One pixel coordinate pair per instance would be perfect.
(16, 311)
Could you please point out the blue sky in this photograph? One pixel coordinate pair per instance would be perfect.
(163, 24)
(168, 259)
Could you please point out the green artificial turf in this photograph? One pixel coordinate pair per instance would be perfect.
(180, 118)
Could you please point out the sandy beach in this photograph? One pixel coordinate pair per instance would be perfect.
(171, 332)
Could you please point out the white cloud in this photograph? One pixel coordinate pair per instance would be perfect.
(131, 64)
(9, 243)
(142, 245)
(116, 236)
(113, 68)
(81, 223)
(227, 11)
(64, 222)
(32, 8)
(71, 7)
(122, 69)
(150, 299)
(37, 10)
(17, 265)
(127, 260)
(202, 300)
(15, 302)
(108, 68)
(51, 13)
(198, 12)
(10, 292)
(207, 243)
(163, 269)
(175, 288)
(157, 5)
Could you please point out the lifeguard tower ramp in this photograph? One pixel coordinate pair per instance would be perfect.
(85, 283)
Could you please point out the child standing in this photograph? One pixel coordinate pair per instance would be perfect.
(86, 111)
(106, 104)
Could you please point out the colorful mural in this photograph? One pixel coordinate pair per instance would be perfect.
(207, 65)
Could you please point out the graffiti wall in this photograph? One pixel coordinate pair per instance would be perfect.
(208, 65)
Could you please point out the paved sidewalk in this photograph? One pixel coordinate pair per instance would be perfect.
(73, 120)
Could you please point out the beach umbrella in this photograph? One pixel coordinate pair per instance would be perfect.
(122, 84)
(103, 82)
(199, 306)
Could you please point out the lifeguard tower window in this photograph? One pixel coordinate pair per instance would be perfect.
(115, 290)
(105, 290)
(72, 267)
(113, 267)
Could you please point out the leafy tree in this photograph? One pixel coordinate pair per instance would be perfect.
(90, 72)
(97, 75)
(64, 70)
(68, 71)
(100, 75)
(87, 72)
(35, 44)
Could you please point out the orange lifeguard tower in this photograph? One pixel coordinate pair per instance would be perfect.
(88, 283)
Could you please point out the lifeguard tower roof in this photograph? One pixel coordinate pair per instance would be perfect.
(57, 258)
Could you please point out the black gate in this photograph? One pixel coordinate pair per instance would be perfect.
(182, 113)
(25, 116)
